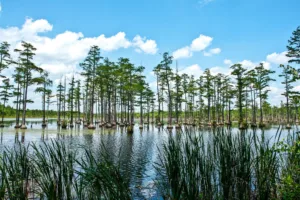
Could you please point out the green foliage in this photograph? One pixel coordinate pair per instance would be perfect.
(229, 166)
(5, 58)
(290, 181)
(54, 170)
(26, 68)
(5, 94)
(239, 72)
(294, 47)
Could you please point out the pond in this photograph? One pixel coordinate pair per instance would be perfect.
(137, 152)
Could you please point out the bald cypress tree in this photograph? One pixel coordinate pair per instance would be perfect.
(60, 97)
(71, 100)
(46, 82)
(77, 98)
(5, 94)
(90, 64)
(288, 79)
(167, 76)
(157, 71)
(177, 96)
(260, 78)
(239, 73)
(208, 87)
(294, 47)
(18, 78)
(27, 68)
(5, 58)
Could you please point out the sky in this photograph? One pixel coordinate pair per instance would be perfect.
(199, 34)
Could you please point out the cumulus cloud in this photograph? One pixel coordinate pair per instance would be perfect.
(184, 52)
(198, 44)
(201, 43)
(61, 54)
(224, 70)
(194, 70)
(248, 64)
(69, 46)
(144, 45)
(228, 62)
(212, 52)
(0, 7)
(278, 58)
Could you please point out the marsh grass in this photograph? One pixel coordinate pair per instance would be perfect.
(245, 165)
(54, 170)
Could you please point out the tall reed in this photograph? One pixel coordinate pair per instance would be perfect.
(54, 170)
(243, 165)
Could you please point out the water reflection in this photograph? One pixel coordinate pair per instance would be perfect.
(135, 153)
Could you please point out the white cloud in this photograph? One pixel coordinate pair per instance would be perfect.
(143, 45)
(201, 43)
(61, 54)
(275, 90)
(212, 52)
(275, 95)
(228, 62)
(184, 52)
(34, 27)
(198, 44)
(215, 51)
(58, 68)
(266, 64)
(194, 70)
(0, 7)
(278, 58)
(297, 88)
(67, 49)
(223, 70)
(70, 44)
(248, 64)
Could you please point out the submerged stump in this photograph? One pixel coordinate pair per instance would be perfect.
(130, 129)
(253, 125)
(108, 125)
(121, 124)
(261, 125)
(170, 127)
(91, 126)
(64, 126)
(23, 126)
(17, 126)
(178, 126)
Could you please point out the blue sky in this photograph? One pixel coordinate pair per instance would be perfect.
(233, 30)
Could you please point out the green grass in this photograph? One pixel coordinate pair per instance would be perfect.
(226, 165)
(55, 171)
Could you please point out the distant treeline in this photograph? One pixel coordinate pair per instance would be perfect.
(11, 112)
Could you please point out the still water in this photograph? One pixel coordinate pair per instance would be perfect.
(136, 152)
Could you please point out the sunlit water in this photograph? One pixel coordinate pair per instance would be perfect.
(137, 152)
